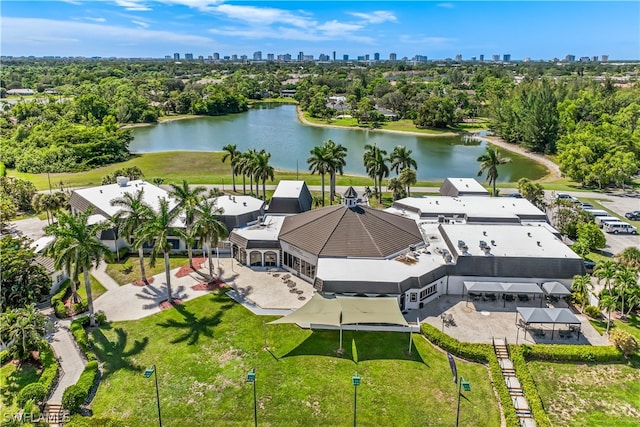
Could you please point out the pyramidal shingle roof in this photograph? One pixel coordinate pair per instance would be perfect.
(351, 193)
(361, 231)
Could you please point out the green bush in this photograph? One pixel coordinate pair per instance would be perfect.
(572, 353)
(528, 387)
(465, 350)
(57, 300)
(50, 368)
(5, 356)
(80, 307)
(72, 398)
(33, 391)
(88, 376)
(81, 337)
(624, 341)
(510, 414)
(593, 312)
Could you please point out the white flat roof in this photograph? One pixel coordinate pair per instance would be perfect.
(95, 219)
(508, 240)
(102, 196)
(376, 270)
(238, 205)
(288, 189)
(269, 231)
(41, 244)
(472, 206)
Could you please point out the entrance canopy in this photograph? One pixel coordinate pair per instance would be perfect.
(343, 310)
(547, 315)
(503, 287)
(555, 288)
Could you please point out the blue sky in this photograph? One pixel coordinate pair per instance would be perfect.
(141, 28)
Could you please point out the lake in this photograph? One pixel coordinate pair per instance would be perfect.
(276, 129)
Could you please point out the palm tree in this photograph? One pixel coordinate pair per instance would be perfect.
(606, 270)
(375, 162)
(490, 161)
(408, 177)
(132, 214)
(209, 227)
(395, 186)
(242, 163)
(49, 202)
(187, 199)
(231, 152)
(23, 330)
(76, 248)
(263, 170)
(625, 279)
(336, 154)
(401, 159)
(629, 257)
(249, 164)
(581, 286)
(158, 230)
(319, 162)
(608, 302)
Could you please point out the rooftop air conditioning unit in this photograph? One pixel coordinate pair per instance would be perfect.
(122, 181)
(483, 244)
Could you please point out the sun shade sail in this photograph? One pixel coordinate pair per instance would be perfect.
(319, 310)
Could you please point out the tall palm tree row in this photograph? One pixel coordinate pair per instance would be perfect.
(76, 248)
(158, 229)
(336, 154)
(320, 163)
(489, 163)
(401, 161)
(187, 198)
(132, 214)
(208, 227)
(263, 171)
(375, 163)
(231, 152)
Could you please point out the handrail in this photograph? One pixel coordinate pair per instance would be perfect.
(507, 347)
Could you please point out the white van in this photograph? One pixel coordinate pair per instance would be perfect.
(597, 212)
(601, 220)
(620, 227)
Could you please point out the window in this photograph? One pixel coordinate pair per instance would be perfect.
(413, 297)
(428, 291)
(255, 259)
(270, 259)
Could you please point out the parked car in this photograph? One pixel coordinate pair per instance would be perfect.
(589, 265)
(563, 196)
(620, 227)
(585, 205)
(597, 212)
(515, 195)
(634, 215)
(602, 220)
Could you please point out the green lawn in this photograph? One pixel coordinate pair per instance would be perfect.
(12, 379)
(404, 125)
(632, 325)
(204, 349)
(585, 395)
(128, 270)
(96, 288)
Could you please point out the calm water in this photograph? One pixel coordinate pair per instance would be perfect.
(278, 131)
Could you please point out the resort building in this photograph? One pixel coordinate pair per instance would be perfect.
(290, 197)
(462, 187)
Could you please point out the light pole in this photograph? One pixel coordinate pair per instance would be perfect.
(251, 378)
(356, 382)
(462, 385)
(147, 374)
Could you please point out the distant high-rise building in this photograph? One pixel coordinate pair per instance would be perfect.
(360, 57)
(594, 58)
(257, 56)
(376, 56)
(366, 57)
(585, 59)
(323, 57)
(473, 59)
(167, 57)
(459, 57)
(570, 58)
(234, 57)
(216, 56)
(188, 56)
(200, 58)
(393, 57)
(270, 57)
(244, 58)
(506, 57)
(307, 58)
(176, 56)
(526, 59)
(301, 56)
(345, 57)
(495, 58)
(284, 58)
(420, 58)
(604, 58)
(482, 57)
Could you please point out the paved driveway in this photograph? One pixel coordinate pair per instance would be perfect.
(32, 228)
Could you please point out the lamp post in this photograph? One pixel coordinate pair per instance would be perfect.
(462, 385)
(356, 382)
(147, 374)
(251, 378)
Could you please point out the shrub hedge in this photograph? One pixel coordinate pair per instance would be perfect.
(72, 398)
(57, 300)
(75, 395)
(34, 391)
(50, 369)
(510, 414)
(81, 336)
(528, 387)
(572, 353)
(593, 312)
(4, 357)
(470, 351)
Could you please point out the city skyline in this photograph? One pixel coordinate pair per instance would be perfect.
(437, 30)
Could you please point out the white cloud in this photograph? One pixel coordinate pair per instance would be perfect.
(263, 15)
(133, 5)
(203, 5)
(88, 18)
(329, 31)
(141, 24)
(376, 17)
(338, 27)
(33, 36)
(74, 2)
(446, 5)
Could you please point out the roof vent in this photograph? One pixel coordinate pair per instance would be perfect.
(483, 244)
(529, 233)
(244, 203)
(122, 181)
(461, 243)
(100, 191)
(493, 243)
(539, 244)
(484, 233)
(234, 199)
(230, 197)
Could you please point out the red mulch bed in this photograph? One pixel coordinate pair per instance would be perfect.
(209, 286)
(165, 305)
(185, 270)
(141, 282)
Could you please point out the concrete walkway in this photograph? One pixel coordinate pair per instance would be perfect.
(70, 358)
(100, 274)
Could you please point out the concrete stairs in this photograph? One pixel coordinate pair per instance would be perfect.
(513, 385)
(55, 414)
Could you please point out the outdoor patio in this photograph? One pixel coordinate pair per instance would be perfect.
(481, 320)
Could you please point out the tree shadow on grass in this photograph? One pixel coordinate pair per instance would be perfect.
(191, 326)
(157, 294)
(358, 346)
(26, 373)
(114, 355)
